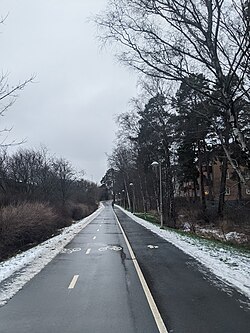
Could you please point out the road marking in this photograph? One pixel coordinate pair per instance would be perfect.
(112, 247)
(100, 225)
(88, 251)
(98, 229)
(94, 237)
(153, 246)
(157, 316)
(73, 282)
(70, 250)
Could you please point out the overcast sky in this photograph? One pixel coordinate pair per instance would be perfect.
(78, 88)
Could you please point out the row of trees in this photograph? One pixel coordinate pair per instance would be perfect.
(39, 194)
(195, 54)
(34, 175)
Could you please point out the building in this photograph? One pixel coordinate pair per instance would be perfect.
(235, 190)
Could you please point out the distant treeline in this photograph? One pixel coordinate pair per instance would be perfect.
(39, 194)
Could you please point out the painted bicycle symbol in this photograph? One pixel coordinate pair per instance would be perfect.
(112, 248)
(69, 251)
(153, 246)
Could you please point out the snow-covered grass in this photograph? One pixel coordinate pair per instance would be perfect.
(230, 265)
(17, 271)
(233, 237)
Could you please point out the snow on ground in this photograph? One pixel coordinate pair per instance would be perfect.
(17, 271)
(228, 264)
(218, 234)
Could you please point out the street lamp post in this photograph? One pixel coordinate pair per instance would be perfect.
(133, 196)
(156, 164)
(123, 197)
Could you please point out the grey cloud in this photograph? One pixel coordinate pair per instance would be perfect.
(77, 90)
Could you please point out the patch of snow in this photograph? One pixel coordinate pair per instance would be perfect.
(17, 271)
(233, 236)
(229, 265)
(186, 226)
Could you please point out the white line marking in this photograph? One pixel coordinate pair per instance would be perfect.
(98, 229)
(88, 251)
(157, 316)
(73, 282)
(94, 237)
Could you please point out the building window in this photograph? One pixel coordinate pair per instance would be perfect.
(227, 191)
(248, 191)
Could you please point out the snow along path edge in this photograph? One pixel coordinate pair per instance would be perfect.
(231, 267)
(26, 265)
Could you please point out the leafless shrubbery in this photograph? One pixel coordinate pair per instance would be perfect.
(24, 224)
(236, 218)
(78, 211)
(189, 213)
(233, 228)
(29, 177)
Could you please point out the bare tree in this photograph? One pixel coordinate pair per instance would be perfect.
(171, 39)
(64, 174)
(8, 96)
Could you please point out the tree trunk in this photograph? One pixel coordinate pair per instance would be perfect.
(239, 138)
(239, 189)
(195, 190)
(171, 212)
(127, 194)
(222, 187)
(143, 196)
(202, 191)
(209, 179)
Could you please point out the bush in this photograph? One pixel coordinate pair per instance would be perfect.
(77, 211)
(25, 223)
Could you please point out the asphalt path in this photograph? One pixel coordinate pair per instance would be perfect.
(92, 287)
(189, 298)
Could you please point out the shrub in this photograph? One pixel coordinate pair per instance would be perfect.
(77, 211)
(25, 223)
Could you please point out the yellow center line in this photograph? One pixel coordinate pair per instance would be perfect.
(73, 282)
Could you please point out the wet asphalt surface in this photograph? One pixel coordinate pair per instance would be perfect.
(189, 298)
(108, 296)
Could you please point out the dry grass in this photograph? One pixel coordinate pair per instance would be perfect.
(28, 223)
(25, 223)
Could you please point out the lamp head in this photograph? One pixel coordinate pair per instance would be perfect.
(154, 164)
